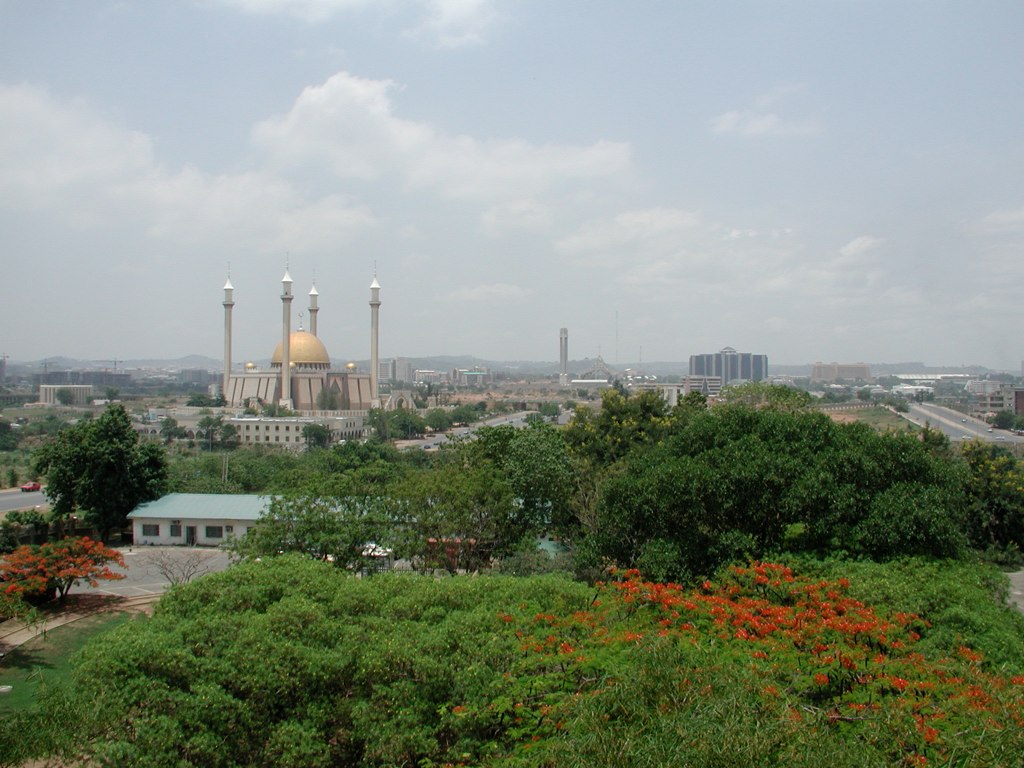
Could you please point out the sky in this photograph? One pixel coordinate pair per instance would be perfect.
(814, 180)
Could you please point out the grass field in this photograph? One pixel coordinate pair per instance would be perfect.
(880, 419)
(46, 660)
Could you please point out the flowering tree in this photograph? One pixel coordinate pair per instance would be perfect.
(55, 567)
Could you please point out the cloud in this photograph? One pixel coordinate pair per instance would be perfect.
(348, 123)
(639, 229)
(515, 216)
(439, 23)
(763, 118)
(456, 23)
(307, 10)
(493, 293)
(860, 245)
(92, 174)
(1003, 222)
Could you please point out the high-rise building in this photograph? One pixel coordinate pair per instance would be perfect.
(730, 365)
(563, 357)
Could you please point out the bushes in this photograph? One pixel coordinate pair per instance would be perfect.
(291, 662)
(730, 485)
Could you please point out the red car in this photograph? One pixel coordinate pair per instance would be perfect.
(33, 486)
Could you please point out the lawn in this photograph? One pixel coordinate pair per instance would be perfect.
(45, 660)
(879, 419)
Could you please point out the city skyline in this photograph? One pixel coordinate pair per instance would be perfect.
(809, 181)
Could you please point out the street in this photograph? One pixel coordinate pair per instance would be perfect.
(957, 426)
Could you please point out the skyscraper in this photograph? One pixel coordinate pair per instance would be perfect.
(730, 365)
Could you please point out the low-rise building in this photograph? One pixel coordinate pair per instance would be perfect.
(196, 519)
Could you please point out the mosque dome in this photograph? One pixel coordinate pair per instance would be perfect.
(305, 351)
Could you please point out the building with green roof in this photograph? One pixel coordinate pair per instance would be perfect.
(196, 519)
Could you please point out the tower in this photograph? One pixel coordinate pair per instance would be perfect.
(229, 304)
(374, 337)
(285, 400)
(313, 309)
(563, 357)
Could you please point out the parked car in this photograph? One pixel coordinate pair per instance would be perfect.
(33, 486)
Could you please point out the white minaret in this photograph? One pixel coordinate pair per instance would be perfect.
(313, 309)
(229, 304)
(286, 341)
(374, 337)
(563, 357)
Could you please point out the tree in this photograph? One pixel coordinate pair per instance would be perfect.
(65, 396)
(316, 436)
(170, 430)
(53, 568)
(1003, 420)
(176, 567)
(208, 428)
(101, 468)
(438, 419)
(323, 527)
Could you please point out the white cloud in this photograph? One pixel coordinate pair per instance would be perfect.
(93, 174)
(349, 123)
(439, 23)
(763, 118)
(307, 10)
(1001, 222)
(659, 227)
(493, 293)
(860, 245)
(515, 216)
(456, 23)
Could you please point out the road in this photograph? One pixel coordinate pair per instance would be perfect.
(433, 442)
(957, 426)
(18, 499)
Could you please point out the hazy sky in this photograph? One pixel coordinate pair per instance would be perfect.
(812, 180)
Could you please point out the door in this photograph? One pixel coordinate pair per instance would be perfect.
(190, 535)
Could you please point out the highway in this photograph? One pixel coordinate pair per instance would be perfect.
(18, 499)
(957, 426)
(432, 442)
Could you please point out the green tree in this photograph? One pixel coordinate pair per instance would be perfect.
(316, 435)
(208, 428)
(65, 396)
(170, 430)
(101, 468)
(438, 419)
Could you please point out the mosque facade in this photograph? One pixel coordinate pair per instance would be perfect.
(301, 377)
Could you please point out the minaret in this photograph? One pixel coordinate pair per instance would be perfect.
(286, 340)
(229, 304)
(374, 336)
(313, 309)
(563, 357)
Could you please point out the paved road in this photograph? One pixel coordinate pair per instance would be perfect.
(15, 498)
(146, 569)
(435, 441)
(956, 425)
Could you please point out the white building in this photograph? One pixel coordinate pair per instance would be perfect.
(196, 519)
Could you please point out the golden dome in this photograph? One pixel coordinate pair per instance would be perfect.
(305, 349)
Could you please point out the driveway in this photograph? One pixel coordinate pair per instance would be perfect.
(150, 570)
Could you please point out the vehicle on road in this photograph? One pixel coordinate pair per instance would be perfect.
(33, 486)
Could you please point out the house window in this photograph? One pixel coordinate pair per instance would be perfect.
(175, 530)
(150, 529)
(229, 529)
(214, 532)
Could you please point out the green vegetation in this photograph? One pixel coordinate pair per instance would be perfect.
(290, 662)
(872, 636)
(100, 468)
(45, 663)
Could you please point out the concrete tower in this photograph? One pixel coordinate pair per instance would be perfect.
(286, 341)
(563, 357)
(313, 309)
(374, 338)
(229, 304)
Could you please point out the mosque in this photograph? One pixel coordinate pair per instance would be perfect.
(301, 377)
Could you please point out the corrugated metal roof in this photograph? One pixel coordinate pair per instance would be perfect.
(204, 506)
